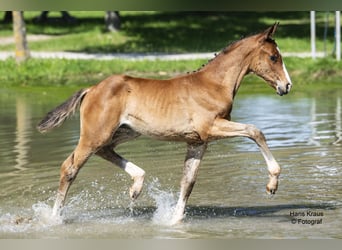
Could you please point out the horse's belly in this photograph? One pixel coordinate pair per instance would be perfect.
(164, 130)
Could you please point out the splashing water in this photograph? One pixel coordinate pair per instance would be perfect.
(90, 206)
(38, 218)
(165, 203)
(43, 215)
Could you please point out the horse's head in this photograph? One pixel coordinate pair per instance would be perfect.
(267, 62)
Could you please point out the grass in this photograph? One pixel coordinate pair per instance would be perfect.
(172, 32)
(79, 72)
(61, 72)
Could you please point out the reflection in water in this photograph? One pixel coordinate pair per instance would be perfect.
(23, 133)
(228, 200)
(312, 140)
(338, 120)
(325, 125)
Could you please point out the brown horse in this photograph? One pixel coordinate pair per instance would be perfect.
(194, 108)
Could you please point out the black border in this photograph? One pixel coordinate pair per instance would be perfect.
(173, 5)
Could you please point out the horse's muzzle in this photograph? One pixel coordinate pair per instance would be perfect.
(284, 90)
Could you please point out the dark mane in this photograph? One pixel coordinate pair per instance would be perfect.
(227, 49)
(224, 51)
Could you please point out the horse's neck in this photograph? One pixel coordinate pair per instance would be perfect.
(229, 68)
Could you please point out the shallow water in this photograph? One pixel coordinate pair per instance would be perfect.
(228, 200)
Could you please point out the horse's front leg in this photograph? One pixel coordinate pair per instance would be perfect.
(192, 161)
(223, 128)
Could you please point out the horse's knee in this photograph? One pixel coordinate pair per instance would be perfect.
(256, 134)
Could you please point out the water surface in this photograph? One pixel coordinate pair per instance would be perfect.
(228, 200)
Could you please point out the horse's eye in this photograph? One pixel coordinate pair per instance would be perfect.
(274, 58)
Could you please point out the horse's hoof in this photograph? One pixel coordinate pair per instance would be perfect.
(136, 188)
(270, 191)
(134, 194)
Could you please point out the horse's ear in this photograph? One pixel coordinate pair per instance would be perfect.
(268, 34)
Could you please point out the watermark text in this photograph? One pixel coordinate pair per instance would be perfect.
(308, 217)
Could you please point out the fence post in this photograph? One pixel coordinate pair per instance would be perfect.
(313, 34)
(338, 36)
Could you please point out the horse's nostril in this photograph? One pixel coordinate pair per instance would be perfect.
(288, 87)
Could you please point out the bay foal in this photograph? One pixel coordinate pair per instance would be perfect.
(194, 108)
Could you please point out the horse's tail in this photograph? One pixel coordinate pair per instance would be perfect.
(57, 116)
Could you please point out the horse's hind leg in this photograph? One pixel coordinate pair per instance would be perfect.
(121, 135)
(137, 174)
(69, 171)
(124, 134)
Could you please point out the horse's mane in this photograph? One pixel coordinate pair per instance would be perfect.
(224, 51)
(228, 48)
